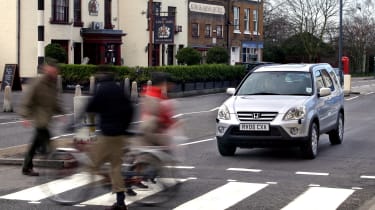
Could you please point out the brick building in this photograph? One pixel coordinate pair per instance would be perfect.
(245, 30)
(206, 24)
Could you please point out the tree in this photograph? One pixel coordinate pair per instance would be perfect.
(188, 56)
(314, 17)
(359, 34)
(56, 51)
(217, 55)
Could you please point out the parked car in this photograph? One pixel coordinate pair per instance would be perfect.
(249, 66)
(282, 105)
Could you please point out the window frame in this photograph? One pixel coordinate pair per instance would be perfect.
(60, 12)
(208, 31)
(219, 35)
(195, 30)
(77, 13)
(246, 20)
(255, 22)
(236, 19)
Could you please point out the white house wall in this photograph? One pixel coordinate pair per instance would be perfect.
(8, 35)
(133, 21)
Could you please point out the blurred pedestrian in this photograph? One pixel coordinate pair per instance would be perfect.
(39, 104)
(157, 111)
(156, 119)
(115, 111)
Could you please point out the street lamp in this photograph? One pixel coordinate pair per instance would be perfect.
(340, 36)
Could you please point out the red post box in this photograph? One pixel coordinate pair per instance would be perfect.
(345, 64)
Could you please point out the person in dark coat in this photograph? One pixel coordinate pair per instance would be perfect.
(115, 112)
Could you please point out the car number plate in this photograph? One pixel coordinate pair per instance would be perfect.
(254, 127)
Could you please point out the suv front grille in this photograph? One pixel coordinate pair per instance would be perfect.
(256, 116)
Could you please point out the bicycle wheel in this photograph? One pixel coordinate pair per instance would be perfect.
(65, 178)
(160, 180)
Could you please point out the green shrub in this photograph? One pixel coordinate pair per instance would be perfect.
(217, 55)
(56, 51)
(188, 56)
(196, 73)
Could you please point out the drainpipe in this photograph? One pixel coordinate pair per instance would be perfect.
(18, 32)
(228, 24)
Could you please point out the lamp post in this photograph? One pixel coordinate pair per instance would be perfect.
(340, 35)
(150, 30)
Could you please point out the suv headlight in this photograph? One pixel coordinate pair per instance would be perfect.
(223, 113)
(295, 113)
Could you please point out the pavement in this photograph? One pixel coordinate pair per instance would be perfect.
(14, 155)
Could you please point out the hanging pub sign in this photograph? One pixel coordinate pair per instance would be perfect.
(164, 29)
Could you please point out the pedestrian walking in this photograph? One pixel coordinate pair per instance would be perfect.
(115, 112)
(39, 104)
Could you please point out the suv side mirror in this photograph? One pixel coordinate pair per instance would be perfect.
(324, 92)
(231, 91)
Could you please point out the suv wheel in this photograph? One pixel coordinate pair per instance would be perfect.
(226, 149)
(310, 148)
(337, 136)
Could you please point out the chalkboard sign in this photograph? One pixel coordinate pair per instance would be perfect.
(11, 77)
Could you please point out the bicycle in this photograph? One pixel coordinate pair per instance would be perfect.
(70, 166)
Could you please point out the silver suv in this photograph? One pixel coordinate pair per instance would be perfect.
(282, 105)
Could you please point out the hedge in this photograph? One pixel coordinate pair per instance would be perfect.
(78, 73)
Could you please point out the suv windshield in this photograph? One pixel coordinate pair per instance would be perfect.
(277, 83)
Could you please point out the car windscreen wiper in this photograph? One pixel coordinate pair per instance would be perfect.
(261, 93)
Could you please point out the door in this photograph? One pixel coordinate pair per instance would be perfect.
(321, 107)
(77, 53)
(234, 55)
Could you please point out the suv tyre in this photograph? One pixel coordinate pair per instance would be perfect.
(226, 149)
(337, 136)
(310, 148)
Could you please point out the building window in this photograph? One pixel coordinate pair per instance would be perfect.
(246, 20)
(249, 54)
(236, 18)
(171, 11)
(207, 31)
(255, 21)
(60, 11)
(156, 8)
(78, 13)
(219, 31)
(195, 30)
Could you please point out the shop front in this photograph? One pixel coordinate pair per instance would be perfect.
(102, 46)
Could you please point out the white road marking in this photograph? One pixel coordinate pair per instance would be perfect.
(271, 182)
(59, 186)
(369, 93)
(314, 185)
(219, 199)
(214, 109)
(352, 98)
(232, 180)
(244, 169)
(109, 198)
(34, 202)
(196, 142)
(321, 198)
(367, 177)
(181, 167)
(357, 188)
(312, 173)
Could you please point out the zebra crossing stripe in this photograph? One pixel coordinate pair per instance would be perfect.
(321, 198)
(59, 186)
(109, 198)
(223, 197)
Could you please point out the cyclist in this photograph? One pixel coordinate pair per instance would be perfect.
(115, 111)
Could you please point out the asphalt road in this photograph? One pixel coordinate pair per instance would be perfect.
(342, 176)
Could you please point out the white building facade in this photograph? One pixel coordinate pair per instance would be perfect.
(134, 19)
